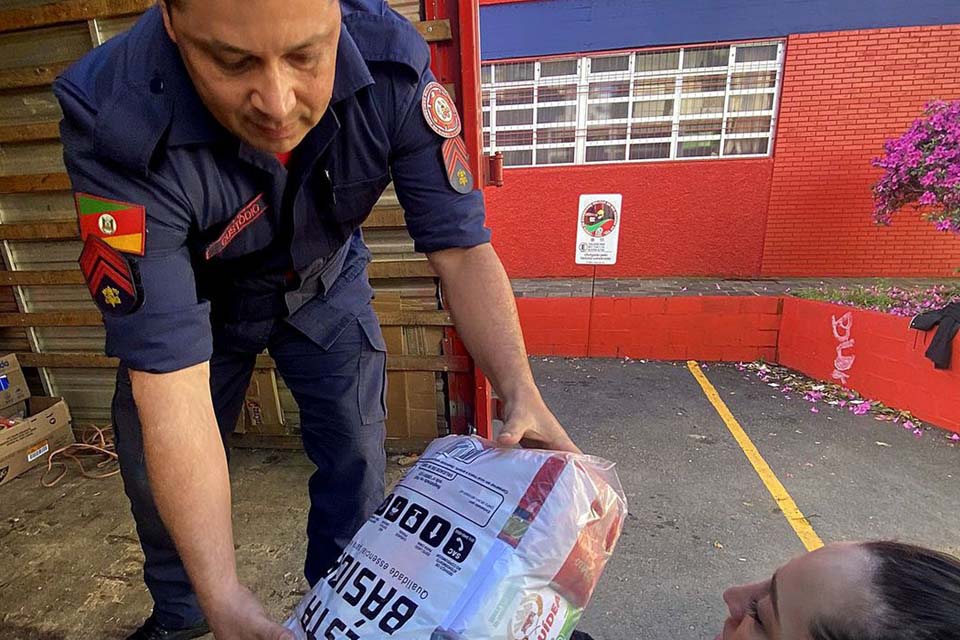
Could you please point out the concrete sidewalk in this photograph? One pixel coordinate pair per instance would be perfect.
(700, 519)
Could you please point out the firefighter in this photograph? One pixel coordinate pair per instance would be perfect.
(223, 155)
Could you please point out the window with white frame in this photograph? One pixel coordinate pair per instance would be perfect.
(679, 103)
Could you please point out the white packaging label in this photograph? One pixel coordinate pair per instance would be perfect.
(474, 543)
(37, 451)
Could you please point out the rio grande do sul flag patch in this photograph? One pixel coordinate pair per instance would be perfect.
(122, 225)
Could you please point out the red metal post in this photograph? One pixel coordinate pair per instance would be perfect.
(457, 62)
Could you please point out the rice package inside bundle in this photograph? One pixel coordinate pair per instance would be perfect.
(474, 543)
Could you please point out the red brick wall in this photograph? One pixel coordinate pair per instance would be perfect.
(843, 94)
(683, 218)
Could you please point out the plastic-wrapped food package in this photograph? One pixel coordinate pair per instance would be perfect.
(474, 543)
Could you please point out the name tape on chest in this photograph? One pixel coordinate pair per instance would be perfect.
(244, 218)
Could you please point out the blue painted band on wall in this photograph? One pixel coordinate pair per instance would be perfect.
(550, 27)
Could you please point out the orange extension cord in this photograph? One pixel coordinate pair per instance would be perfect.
(96, 445)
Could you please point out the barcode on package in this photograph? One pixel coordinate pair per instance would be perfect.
(37, 451)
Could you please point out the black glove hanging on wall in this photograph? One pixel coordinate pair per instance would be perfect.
(948, 320)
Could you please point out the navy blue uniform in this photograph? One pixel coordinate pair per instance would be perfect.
(242, 254)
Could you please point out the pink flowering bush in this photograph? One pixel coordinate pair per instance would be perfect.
(922, 167)
(898, 301)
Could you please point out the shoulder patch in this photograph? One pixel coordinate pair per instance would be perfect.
(122, 225)
(457, 162)
(112, 280)
(439, 111)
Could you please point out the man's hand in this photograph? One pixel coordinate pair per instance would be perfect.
(237, 615)
(531, 424)
(187, 469)
(478, 294)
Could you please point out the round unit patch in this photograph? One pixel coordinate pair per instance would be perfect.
(439, 111)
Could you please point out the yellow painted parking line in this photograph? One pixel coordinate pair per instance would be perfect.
(788, 507)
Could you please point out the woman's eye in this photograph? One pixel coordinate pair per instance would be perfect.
(753, 612)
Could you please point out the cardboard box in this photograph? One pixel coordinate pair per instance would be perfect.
(262, 413)
(44, 429)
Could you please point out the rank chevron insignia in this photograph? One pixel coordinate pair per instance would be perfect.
(457, 163)
(113, 282)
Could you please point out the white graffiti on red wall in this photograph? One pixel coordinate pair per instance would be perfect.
(844, 361)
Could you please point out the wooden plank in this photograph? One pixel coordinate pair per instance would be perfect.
(53, 230)
(67, 360)
(416, 319)
(35, 183)
(385, 216)
(52, 13)
(32, 76)
(40, 131)
(434, 30)
(400, 269)
(446, 364)
(40, 278)
(52, 319)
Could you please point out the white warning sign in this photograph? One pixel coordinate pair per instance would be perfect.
(598, 228)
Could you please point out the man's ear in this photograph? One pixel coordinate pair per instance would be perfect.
(166, 10)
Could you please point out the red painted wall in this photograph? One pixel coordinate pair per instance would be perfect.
(699, 328)
(889, 364)
(679, 218)
(843, 94)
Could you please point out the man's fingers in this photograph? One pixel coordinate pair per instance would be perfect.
(509, 438)
(531, 437)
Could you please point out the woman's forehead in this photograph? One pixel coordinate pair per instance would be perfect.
(834, 582)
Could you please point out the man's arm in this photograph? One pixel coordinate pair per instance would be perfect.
(478, 294)
(187, 469)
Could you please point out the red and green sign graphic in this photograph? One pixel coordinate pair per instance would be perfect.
(599, 219)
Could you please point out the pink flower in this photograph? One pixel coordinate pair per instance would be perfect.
(955, 437)
(918, 433)
(861, 409)
(814, 410)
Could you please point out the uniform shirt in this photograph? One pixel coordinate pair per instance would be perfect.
(230, 233)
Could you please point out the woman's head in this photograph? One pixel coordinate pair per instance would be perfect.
(852, 591)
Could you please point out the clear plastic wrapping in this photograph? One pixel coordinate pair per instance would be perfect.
(474, 543)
